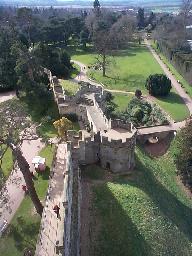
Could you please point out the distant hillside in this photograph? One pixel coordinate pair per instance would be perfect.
(89, 2)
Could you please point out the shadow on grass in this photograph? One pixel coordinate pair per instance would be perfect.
(117, 235)
(22, 231)
(169, 205)
(129, 79)
(130, 51)
(173, 97)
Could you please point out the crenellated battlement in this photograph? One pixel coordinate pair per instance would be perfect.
(117, 143)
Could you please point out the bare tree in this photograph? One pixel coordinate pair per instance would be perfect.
(14, 129)
(186, 8)
(110, 34)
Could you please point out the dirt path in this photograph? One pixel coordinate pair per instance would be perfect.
(186, 98)
(13, 192)
(6, 96)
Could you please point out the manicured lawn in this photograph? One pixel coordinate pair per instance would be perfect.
(129, 68)
(129, 71)
(70, 87)
(24, 228)
(179, 77)
(7, 163)
(174, 106)
(122, 100)
(145, 213)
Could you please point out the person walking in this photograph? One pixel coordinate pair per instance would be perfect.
(56, 209)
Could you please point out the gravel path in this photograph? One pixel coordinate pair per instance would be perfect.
(6, 96)
(13, 192)
(186, 98)
(150, 130)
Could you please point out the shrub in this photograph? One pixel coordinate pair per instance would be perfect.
(138, 94)
(158, 85)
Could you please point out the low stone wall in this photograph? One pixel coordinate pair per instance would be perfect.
(117, 123)
(142, 139)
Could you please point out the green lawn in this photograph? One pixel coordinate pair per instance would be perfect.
(145, 213)
(122, 100)
(70, 87)
(24, 228)
(129, 68)
(185, 84)
(174, 106)
(129, 71)
(7, 163)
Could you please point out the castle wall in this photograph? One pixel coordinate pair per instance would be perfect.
(117, 123)
(117, 156)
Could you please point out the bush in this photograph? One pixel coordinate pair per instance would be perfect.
(158, 85)
(142, 113)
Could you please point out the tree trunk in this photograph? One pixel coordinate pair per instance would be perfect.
(104, 65)
(25, 169)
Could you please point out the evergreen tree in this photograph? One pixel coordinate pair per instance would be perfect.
(96, 4)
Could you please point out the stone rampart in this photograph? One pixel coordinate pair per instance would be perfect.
(117, 123)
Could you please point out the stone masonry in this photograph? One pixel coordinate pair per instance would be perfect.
(108, 142)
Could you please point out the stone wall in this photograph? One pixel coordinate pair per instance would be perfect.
(55, 234)
(116, 155)
(117, 123)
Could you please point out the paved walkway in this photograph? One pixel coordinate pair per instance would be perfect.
(51, 236)
(163, 128)
(6, 96)
(13, 188)
(186, 98)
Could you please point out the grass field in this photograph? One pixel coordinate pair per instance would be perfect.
(24, 228)
(7, 163)
(174, 106)
(70, 87)
(145, 213)
(128, 71)
(122, 100)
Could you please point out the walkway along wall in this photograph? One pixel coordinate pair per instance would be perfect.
(56, 234)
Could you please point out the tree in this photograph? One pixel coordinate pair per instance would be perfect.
(138, 94)
(109, 34)
(110, 105)
(186, 9)
(183, 154)
(14, 129)
(63, 125)
(158, 85)
(141, 18)
(96, 5)
(84, 38)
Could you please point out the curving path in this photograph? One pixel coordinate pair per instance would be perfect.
(13, 187)
(12, 190)
(186, 98)
(149, 130)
